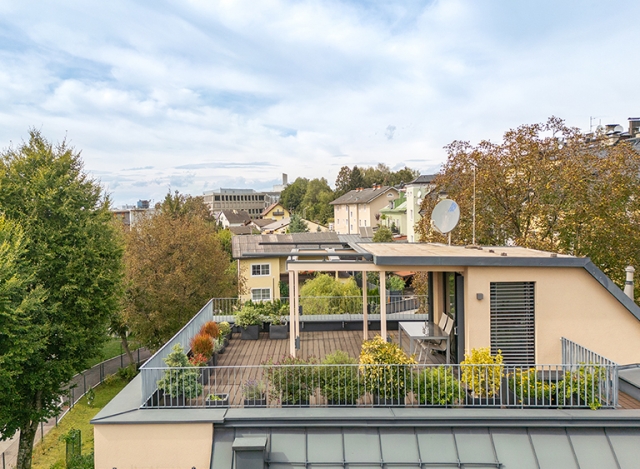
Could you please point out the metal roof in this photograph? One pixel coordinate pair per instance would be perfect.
(245, 246)
(453, 447)
(363, 196)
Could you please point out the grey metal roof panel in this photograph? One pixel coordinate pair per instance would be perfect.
(362, 445)
(592, 448)
(399, 445)
(514, 447)
(624, 443)
(324, 445)
(474, 444)
(287, 445)
(437, 444)
(553, 448)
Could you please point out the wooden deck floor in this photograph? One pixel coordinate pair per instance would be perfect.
(312, 344)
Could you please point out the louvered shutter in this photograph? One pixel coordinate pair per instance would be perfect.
(512, 321)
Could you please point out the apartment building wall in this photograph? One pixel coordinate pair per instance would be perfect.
(415, 193)
(240, 199)
(348, 218)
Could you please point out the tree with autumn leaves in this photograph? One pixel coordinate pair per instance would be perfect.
(546, 186)
(175, 262)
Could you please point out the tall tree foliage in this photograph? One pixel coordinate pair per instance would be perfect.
(72, 247)
(174, 264)
(298, 225)
(546, 186)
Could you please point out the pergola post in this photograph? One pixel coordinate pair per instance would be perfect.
(365, 312)
(292, 317)
(383, 304)
(297, 305)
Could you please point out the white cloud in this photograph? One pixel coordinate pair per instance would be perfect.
(202, 94)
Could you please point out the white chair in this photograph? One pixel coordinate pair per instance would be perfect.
(424, 344)
(441, 345)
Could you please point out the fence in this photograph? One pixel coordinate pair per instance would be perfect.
(313, 305)
(575, 354)
(74, 391)
(315, 385)
(182, 337)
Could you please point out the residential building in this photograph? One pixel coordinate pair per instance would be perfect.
(282, 226)
(522, 299)
(415, 192)
(361, 208)
(129, 215)
(229, 218)
(394, 216)
(275, 211)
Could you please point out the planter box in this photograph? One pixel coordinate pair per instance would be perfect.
(179, 401)
(250, 333)
(227, 339)
(256, 402)
(493, 401)
(213, 361)
(332, 403)
(222, 402)
(388, 402)
(303, 403)
(278, 332)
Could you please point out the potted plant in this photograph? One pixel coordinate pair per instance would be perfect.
(181, 382)
(385, 370)
(524, 387)
(581, 387)
(217, 400)
(482, 374)
(225, 332)
(339, 380)
(291, 381)
(436, 386)
(249, 320)
(203, 344)
(253, 392)
(211, 328)
(278, 324)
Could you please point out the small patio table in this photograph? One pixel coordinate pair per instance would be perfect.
(422, 331)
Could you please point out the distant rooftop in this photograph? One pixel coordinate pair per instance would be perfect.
(423, 179)
(362, 196)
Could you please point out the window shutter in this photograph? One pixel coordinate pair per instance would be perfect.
(512, 321)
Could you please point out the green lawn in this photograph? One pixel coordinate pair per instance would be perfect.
(52, 450)
(111, 349)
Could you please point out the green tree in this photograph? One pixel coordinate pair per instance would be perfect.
(71, 245)
(547, 186)
(356, 179)
(298, 225)
(316, 201)
(343, 181)
(292, 196)
(383, 235)
(181, 205)
(174, 264)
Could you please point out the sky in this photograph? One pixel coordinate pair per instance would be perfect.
(198, 95)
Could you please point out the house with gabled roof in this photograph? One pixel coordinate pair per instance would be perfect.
(361, 208)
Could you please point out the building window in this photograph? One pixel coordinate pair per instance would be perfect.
(513, 321)
(261, 294)
(260, 270)
(217, 198)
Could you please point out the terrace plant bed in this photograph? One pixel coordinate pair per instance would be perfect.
(250, 332)
(217, 400)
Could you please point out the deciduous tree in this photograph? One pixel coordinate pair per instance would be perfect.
(73, 251)
(174, 264)
(547, 186)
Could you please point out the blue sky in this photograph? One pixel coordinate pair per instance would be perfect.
(194, 95)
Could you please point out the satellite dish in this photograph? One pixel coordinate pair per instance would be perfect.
(445, 216)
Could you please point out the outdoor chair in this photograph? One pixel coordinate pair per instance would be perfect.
(424, 343)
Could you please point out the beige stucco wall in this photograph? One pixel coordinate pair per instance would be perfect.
(156, 446)
(263, 281)
(569, 303)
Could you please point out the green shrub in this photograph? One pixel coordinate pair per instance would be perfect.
(340, 384)
(390, 379)
(225, 328)
(128, 372)
(581, 386)
(183, 382)
(81, 461)
(527, 387)
(291, 380)
(482, 372)
(437, 386)
(326, 295)
(395, 283)
(249, 315)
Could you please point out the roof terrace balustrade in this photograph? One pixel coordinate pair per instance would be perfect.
(381, 385)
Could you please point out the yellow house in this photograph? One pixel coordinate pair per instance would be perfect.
(275, 211)
(262, 259)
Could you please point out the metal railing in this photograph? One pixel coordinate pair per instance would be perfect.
(313, 305)
(575, 356)
(182, 337)
(316, 385)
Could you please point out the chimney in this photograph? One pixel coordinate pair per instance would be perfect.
(628, 284)
(250, 452)
(634, 126)
(285, 179)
